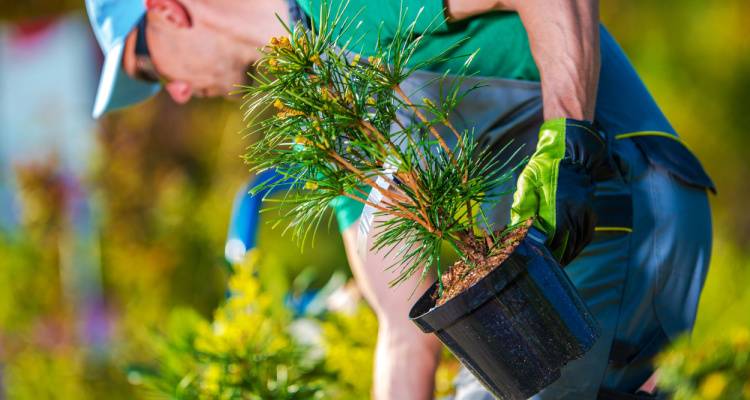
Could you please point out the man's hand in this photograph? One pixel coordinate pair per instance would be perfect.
(557, 185)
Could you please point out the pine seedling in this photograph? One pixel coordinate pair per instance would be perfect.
(336, 131)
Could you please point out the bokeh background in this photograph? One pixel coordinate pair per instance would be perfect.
(112, 232)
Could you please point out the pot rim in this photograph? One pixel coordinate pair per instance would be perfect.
(430, 318)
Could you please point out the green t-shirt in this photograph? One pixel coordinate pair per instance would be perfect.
(500, 36)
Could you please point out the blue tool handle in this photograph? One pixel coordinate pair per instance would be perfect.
(243, 224)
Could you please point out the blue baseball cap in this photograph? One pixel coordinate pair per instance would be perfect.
(112, 22)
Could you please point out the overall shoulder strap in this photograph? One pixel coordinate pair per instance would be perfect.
(297, 14)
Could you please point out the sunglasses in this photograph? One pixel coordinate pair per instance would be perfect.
(144, 67)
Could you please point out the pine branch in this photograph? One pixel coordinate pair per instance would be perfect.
(335, 131)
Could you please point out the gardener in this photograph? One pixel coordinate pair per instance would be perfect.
(643, 272)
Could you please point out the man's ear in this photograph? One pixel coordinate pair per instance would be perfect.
(170, 10)
(179, 91)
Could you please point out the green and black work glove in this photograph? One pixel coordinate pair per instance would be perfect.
(556, 187)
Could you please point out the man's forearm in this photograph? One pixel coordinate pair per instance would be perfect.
(564, 40)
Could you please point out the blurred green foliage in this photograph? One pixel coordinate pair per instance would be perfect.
(718, 369)
(349, 340)
(163, 186)
(249, 350)
(246, 352)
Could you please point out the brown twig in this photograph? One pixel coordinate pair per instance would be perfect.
(393, 197)
(469, 211)
(453, 129)
(388, 180)
(370, 128)
(424, 120)
(412, 181)
(404, 214)
(411, 141)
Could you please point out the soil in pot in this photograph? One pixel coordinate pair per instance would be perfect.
(462, 275)
(516, 322)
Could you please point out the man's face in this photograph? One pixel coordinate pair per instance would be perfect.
(204, 47)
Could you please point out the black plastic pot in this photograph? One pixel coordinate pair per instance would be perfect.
(517, 327)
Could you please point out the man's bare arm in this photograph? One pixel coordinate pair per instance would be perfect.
(564, 39)
(405, 357)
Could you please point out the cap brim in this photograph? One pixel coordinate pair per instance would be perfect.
(116, 88)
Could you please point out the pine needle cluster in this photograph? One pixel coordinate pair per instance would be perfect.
(336, 131)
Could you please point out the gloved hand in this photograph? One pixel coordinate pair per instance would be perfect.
(556, 187)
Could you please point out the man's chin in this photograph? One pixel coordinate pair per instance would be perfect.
(236, 90)
(247, 77)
